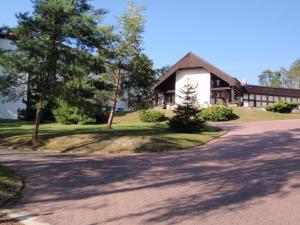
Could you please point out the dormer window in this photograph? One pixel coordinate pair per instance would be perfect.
(218, 82)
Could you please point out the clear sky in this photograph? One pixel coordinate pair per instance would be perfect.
(241, 37)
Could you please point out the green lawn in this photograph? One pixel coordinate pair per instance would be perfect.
(9, 184)
(127, 135)
(250, 115)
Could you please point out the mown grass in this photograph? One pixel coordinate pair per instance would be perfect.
(128, 135)
(251, 115)
(9, 184)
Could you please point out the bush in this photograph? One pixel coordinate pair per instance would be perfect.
(282, 107)
(191, 125)
(217, 113)
(67, 114)
(152, 116)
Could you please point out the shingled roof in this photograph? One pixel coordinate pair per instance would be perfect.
(192, 61)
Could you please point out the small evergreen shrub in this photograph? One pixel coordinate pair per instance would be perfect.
(282, 107)
(152, 116)
(191, 125)
(185, 119)
(68, 114)
(217, 113)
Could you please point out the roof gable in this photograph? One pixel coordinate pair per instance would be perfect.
(190, 61)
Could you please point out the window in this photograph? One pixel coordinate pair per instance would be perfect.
(264, 98)
(282, 99)
(276, 98)
(245, 96)
(288, 99)
(252, 97)
(258, 104)
(258, 97)
(271, 98)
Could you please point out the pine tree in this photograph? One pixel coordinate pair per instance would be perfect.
(187, 106)
(186, 119)
(52, 44)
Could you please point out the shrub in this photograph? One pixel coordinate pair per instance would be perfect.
(152, 116)
(217, 113)
(67, 114)
(190, 125)
(185, 119)
(282, 107)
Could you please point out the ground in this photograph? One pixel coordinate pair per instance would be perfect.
(128, 135)
(249, 176)
(9, 184)
(248, 115)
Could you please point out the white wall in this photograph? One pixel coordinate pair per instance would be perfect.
(8, 110)
(198, 77)
(6, 44)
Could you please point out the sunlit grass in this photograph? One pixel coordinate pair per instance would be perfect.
(128, 135)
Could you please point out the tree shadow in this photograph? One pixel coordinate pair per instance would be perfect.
(227, 174)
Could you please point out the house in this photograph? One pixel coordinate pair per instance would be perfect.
(215, 86)
(8, 110)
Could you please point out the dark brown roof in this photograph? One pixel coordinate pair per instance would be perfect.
(190, 61)
(263, 90)
(6, 33)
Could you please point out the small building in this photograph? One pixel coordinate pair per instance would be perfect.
(215, 86)
(8, 109)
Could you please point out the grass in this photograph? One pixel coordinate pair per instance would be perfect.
(251, 115)
(128, 135)
(9, 184)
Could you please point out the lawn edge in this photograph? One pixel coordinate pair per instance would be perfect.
(17, 193)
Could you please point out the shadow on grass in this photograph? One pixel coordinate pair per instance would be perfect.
(140, 137)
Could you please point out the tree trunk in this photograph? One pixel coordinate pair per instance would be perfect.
(35, 130)
(115, 99)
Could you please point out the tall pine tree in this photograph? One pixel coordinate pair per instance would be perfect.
(52, 43)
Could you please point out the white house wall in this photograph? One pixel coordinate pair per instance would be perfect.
(5, 44)
(199, 78)
(8, 110)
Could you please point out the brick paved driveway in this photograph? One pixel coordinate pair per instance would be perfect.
(250, 176)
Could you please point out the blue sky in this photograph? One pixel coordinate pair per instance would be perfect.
(242, 38)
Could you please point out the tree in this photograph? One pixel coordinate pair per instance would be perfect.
(186, 117)
(187, 106)
(286, 80)
(52, 43)
(294, 73)
(83, 101)
(139, 83)
(276, 79)
(265, 77)
(160, 71)
(126, 47)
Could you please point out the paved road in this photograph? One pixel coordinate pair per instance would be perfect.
(250, 176)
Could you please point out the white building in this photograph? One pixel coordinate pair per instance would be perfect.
(215, 86)
(8, 110)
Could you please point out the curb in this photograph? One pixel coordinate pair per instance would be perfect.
(22, 217)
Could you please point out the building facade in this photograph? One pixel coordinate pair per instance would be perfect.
(8, 109)
(213, 86)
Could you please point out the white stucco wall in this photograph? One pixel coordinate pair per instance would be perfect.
(8, 110)
(6, 44)
(198, 77)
